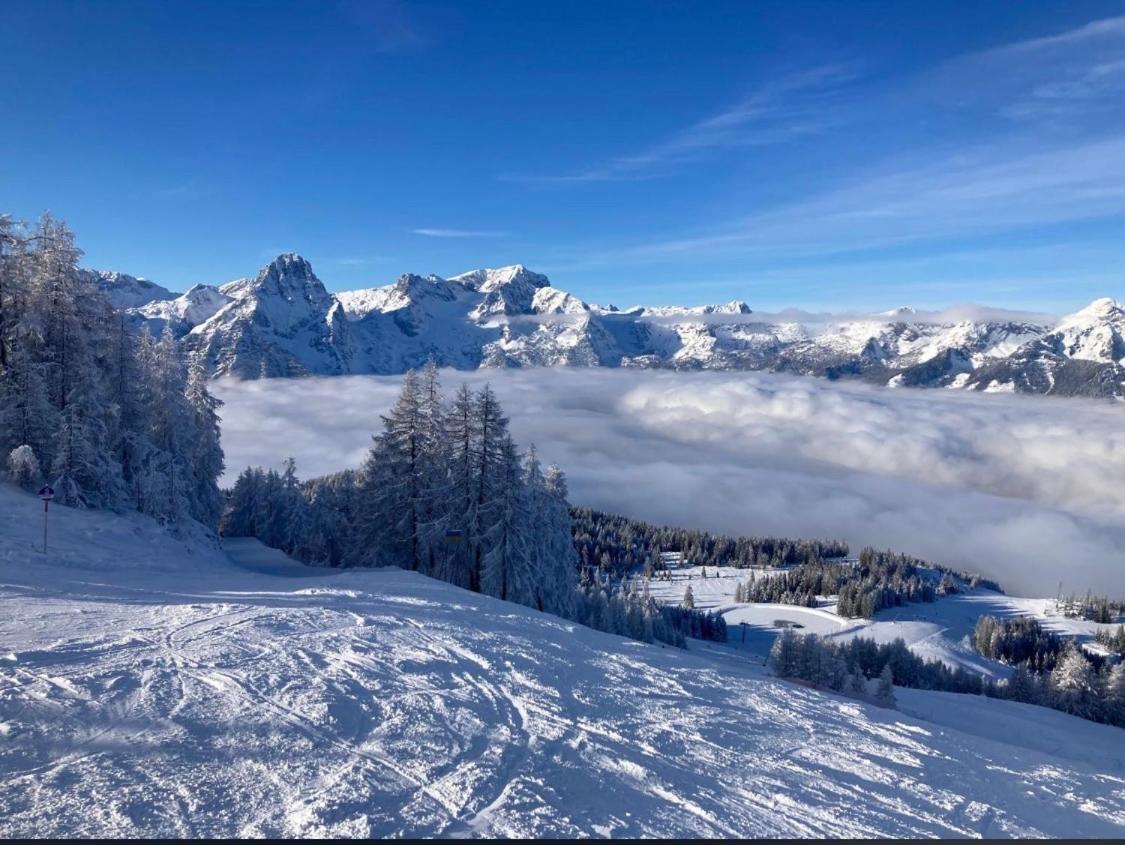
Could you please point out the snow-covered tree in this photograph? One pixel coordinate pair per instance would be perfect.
(785, 654)
(23, 466)
(492, 431)
(510, 568)
(1113, 699)
(559, 560)
(884, 690)
(1073, 685)
(460, 511)
(205, 451)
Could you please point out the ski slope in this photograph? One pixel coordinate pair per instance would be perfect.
(151, 686)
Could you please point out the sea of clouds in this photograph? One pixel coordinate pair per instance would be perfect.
(1028, 490)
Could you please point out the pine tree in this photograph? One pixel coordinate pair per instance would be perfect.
(689, 598)
(460, 501)
(204, 448)
(492, 428)
(1022, 686)
(239, 514)
(884, 690)
(1073, 685)
(509, 568)
(1114, 695)
(394, 482)
(559, 560)
(785, 654)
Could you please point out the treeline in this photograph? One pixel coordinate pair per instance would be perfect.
(107, 417)
(1113, 641)
(1018, 641)
(848, 666)
(1074, 686)
(627, 609)
(444, 491)
(1051, 671)
(876, 581)
(1099, 609)
(616, 545)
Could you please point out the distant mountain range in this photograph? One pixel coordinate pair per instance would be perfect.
(283, 322)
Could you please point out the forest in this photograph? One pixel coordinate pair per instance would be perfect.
(876, 580)
(616, 544)
(1075, 685)
(110, 417)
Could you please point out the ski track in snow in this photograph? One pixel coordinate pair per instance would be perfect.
(145, 690)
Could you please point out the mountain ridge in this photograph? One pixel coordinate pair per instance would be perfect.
(284, 322)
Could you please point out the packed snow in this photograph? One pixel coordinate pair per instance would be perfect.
(153, 686)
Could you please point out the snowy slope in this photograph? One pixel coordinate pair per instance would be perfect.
(152, 688)
(126, 291)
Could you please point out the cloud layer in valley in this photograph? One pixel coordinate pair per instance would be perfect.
(1026, 490)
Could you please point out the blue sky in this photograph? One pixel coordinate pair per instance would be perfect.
(821, 155)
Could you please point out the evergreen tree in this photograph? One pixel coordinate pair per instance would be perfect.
(785, 654)
(884, 690)
(492, 429)
(509, 568)
(1114, 695)
(460, 510)
(1073, 685)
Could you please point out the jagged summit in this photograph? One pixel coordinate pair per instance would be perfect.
(1104, 310)
(901, 311)
(289, 275)
(492, 279)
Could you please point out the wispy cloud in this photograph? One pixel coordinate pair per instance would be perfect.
(1078, 72)
(1041, 172)
(995, 190)
(457, 233)
(779, 111)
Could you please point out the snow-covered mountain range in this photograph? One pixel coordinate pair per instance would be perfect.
(284, 322)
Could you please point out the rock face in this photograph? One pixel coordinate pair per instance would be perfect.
(283, 322)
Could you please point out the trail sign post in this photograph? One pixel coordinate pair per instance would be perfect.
(46, 493)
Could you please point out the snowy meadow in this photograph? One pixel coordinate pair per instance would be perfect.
(1025, 490)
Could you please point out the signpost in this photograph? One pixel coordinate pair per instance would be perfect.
(46, 493)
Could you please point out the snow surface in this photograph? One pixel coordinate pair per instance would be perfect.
(151, 686)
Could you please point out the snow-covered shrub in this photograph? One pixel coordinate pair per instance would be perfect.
(23, 466)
